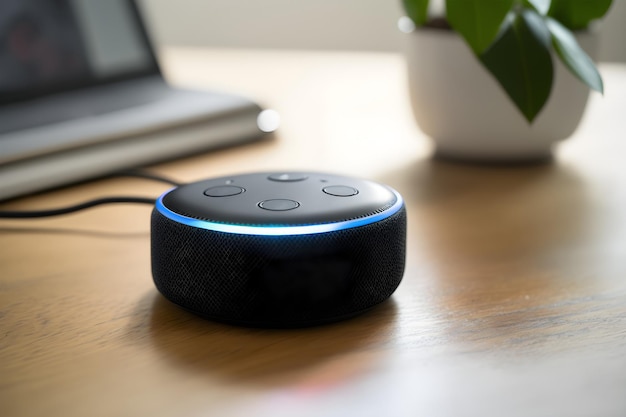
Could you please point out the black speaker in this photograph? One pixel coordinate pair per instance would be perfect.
(278, 249)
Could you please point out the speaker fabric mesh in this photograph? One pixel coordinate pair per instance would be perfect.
(278, 281)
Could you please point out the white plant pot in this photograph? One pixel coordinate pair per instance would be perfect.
(461, 106)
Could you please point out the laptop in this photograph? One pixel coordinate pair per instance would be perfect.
(82, 96)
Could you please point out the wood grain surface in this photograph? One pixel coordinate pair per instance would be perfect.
(513, 302)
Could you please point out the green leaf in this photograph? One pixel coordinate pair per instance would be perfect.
(417, 10)
(573, 55)
(521, 62)
(576, 14)
(542, 6)
(478, 21)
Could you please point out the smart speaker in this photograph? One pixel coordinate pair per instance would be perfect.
(285, 249)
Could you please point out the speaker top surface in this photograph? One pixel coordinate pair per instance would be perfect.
(280, 203)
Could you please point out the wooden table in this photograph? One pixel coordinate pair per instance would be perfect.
(513, 302)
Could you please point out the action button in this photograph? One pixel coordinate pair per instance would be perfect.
(287, 177)
(279, 205)
(224, 191)
(340, 190)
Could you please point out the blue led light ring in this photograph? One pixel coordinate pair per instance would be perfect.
(283, 230)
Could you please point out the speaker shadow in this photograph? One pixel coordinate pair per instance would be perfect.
(252, 355)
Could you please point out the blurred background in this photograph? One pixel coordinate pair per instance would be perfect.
(365, 25)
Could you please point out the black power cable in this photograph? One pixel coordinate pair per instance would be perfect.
(71, 209)
(137, 173)
(9, 214)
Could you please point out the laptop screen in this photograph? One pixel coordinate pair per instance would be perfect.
(53, 45)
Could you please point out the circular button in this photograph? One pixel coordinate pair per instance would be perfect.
(223, 191)
(279, 204)
(340, 190)
(288, 177)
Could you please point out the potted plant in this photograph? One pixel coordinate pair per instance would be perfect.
(462, 67)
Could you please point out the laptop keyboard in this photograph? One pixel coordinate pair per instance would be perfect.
(78, 104)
